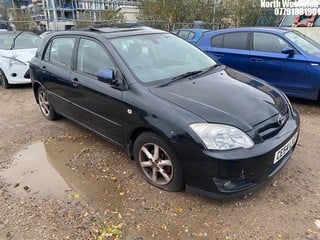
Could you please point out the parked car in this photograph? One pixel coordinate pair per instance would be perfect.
(184, 119)
(16, 50)
(44, 34)
(192, 35)
(284, 58)
(309, 25)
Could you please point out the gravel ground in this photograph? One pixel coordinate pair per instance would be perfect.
(59, 181)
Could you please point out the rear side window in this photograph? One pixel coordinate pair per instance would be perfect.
(60, 51)
(236, 40)
(217, 41)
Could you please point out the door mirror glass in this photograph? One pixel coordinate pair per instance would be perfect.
(106, 75)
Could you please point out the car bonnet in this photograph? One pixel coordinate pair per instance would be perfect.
(227, 97)
(24, 55)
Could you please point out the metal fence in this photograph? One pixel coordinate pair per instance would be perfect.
(42, 26)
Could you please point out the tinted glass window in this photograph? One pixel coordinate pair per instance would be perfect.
(92, 57)
(235, 40)
(267, 42)
(217, 41)
(188, 35)
(61, 51)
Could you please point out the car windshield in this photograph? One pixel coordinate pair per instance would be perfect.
(306, 44)
(19, 41)
(157, 58)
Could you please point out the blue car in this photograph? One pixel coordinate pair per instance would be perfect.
(192, 35)
(284, 58)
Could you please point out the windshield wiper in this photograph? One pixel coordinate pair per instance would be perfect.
(190, 75)
(181, 76)
(209, 69)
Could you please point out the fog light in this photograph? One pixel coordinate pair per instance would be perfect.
(13, 74)
(229, 185)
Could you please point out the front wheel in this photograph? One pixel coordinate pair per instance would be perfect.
(4, 80)
(45, 106)
(158, 163)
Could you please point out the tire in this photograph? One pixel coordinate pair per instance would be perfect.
(4, 80)
(45, 106)
(160, 169)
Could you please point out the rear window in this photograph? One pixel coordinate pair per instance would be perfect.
(236, 40)
(188, 35)
(19, 41)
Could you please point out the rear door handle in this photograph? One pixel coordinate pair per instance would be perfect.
(75, 82)
(256, 59)
(219, 54)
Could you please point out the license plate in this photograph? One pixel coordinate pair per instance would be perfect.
(285, 149)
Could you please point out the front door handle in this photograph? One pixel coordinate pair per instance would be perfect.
(219, 54)
(256, 59)
(75, 82)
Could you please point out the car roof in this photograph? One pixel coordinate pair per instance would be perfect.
(193, 29)
(112, 32)
(252, 29)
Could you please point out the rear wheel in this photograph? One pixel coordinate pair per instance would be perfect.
(4, 80)
(45, 106)
(158, 163)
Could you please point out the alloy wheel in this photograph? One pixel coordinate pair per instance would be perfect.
(44, 103)
(156, 164)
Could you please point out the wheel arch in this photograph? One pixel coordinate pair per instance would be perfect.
(36, 86)
(135, 134)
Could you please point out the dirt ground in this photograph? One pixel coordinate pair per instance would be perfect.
(59, 181)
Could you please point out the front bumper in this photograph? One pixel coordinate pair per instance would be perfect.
(17, 74)
(234, 173)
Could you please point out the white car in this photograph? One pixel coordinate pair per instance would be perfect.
(16, 51)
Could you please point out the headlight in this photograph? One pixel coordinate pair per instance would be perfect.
(221, 137)
(288, 101)
(11, 61)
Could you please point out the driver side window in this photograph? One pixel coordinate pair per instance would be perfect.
(268, 43)
(92, 57)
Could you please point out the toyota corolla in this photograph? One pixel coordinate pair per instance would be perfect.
(187, 121)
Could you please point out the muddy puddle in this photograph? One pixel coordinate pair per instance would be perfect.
(57, 169)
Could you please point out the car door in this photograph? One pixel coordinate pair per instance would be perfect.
(231, 49)
(56, 72)
(267, 62)
(98, 103)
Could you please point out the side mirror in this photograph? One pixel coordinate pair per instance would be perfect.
(112, 77)
(106, 75)
(288, 51)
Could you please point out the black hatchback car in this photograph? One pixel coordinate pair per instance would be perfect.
(186, 120)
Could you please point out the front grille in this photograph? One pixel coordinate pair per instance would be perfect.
(27, 74)
(271, 127)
